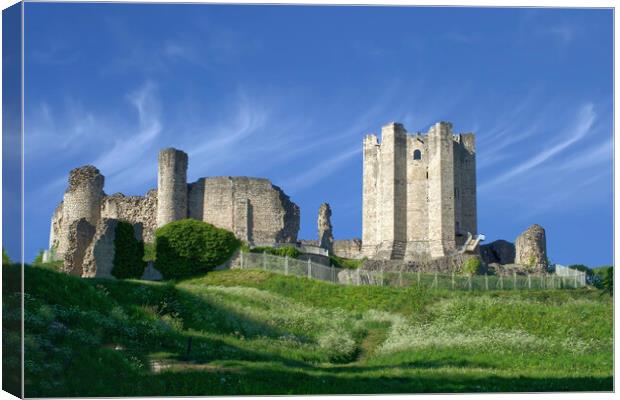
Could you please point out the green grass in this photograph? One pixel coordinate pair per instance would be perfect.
(256, 333)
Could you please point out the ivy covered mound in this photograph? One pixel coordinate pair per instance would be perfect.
(189, 247)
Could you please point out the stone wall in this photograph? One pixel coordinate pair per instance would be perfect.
(324, 225)
(254, 209)
(351, 248)
(81, 233)
(531, 248)
(99, 259)
(498, 252)
(133, 209)
(82, 199)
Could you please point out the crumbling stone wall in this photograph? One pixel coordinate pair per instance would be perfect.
(81, 233)
(351, 248)
(133, 209)
(498, 252)
(99, 259)
(254, 209)
(82, 199)
(99, 256)
(326, 237)
(531, 248)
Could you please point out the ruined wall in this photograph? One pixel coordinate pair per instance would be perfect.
(351, 248)
(133, 209)
(99, 258)
(324, 225)
(531, 248)
(82, 199)
(252, 208)
(171, 186)
(99, 255)
(81, 233)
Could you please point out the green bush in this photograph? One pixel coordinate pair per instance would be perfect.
(128, 254)
(283, 251)
(188, 247)
(5, 257)
(472, 266)
(149, 252)
(608, 281)
(348, 263)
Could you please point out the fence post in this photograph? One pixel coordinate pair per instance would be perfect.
(358, 276)
(418, 277)
(501, 282)
(309, 268)
(542, 285)
(452, 280)
(382, 276)
(264, 261)
(575, 281)
(286, 264)
(333, 274)
(469, 282)
(241, 255)
(529, 281)
(553, 281)
(400, 278)
(486, 281)
(514, 280)
(435, 283)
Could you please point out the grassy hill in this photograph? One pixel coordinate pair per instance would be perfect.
(251, 332)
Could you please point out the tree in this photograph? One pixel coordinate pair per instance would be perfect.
(5, 257)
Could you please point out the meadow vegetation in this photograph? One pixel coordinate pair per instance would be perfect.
(253, 332)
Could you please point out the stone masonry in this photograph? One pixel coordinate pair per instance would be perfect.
(531, 248)
(255, 210)
(419, 192)
(326, 237)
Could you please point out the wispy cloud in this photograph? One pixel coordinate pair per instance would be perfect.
(583, 123)
(322, 169)
(124, 162)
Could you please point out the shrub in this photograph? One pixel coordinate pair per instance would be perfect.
(608, 281)
(348, 263)
(149, 252)
(283, 251)
(128, 253)
(188, 247)
(471, 266)
(5, 257)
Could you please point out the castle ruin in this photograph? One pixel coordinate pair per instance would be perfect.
(419, 204)
(419, 193)
(257, 211)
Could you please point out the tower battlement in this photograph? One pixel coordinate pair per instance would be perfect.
(419, 192)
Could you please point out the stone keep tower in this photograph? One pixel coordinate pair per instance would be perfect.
(82, 199)
(171, 186)
(419, 192)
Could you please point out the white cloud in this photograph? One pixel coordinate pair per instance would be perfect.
(582, 125)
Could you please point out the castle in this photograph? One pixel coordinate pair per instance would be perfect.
(253, 209)
(419, 193)
(419, 201)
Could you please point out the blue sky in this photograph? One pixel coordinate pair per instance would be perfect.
(288, 92)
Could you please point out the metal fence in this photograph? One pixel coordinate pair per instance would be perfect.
(312, 270)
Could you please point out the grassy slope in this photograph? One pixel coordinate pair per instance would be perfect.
(257, 333)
